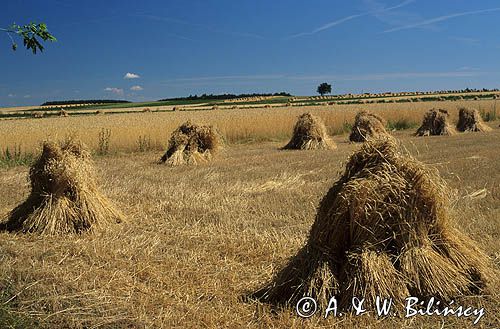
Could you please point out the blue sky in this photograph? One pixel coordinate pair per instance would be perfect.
(176, 48)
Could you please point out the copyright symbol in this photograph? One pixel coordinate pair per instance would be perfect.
(306, 307)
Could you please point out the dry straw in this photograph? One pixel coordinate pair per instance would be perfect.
(469, 120)
(367, 126)
(435, 122)
(191, 144)
(64, 195)
(309, 133)
(383, 229)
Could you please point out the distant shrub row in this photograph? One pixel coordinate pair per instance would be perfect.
(84, 101)
(421, 99)
(222, 97)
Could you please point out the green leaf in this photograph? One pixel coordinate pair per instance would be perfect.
(30, 34)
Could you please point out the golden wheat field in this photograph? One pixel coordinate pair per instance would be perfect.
(127, 131)
(196, 239)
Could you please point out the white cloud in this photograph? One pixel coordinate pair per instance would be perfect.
(131, 76)
(391, 76)
(466, 40)
(136, 88)
(223, 80)
(467, 68)
(27, 96)
(11, 95)
(441, 19)
(329, 25)
(326, 26)
(117, 91)
(393, 17)
(232, 77)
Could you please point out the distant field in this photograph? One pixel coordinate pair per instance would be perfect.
(80, 109)
(17, 108)
(128, 131)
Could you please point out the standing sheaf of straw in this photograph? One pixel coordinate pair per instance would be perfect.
(367, 126)
(192, 144)
(469, 120)
(64, 195)
(383, 229)
(435, 123)
(309, 133)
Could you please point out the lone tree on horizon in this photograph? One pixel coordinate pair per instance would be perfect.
(29, 34)
(324, 88)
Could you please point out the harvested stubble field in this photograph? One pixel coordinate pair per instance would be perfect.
(237, 125)
(199, 237)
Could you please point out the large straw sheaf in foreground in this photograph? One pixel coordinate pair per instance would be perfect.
(309, 133)
(367, 126)
(435, 123)
(64, 196)
(192, 144)
(469, 120)
(383, 229)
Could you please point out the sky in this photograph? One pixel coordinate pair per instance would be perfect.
(151, 49)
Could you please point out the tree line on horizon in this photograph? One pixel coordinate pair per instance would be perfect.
(84, 101)
(224, 96)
